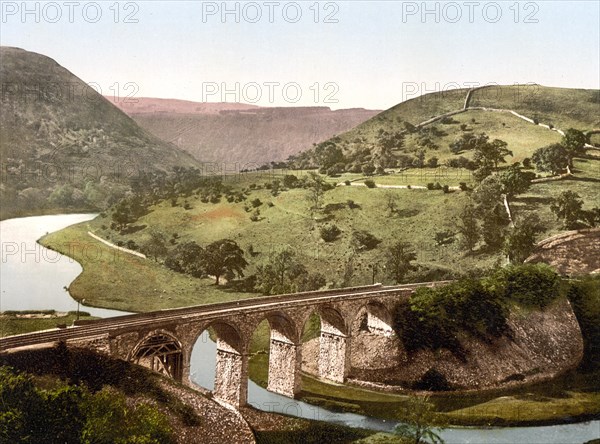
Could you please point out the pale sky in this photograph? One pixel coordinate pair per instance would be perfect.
(337, 54)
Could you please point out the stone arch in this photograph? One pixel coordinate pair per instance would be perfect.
(161, 352)
(231, 370)
(334, 344)
(284, 354)
(374, 317)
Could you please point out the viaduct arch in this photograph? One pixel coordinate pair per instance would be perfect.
(163, 341)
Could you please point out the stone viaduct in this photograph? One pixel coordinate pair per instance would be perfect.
(163, 340)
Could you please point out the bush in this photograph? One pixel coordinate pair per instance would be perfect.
(330, 233)
(463, 186)
(363, 240)
(446, 189)
(433, 381)
(370, 184)
(530, 284)
(430, 186)
(347, 182)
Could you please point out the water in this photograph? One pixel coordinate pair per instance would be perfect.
(34, 278)
(203, 362)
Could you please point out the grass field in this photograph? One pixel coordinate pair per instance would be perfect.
(112, 279)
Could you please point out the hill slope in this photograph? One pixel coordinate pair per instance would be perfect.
(502, 112)
(238, 133)
(57, 130)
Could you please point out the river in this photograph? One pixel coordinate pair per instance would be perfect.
(34, 278)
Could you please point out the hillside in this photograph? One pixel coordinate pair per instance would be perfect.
(243, 134)
(57, 130)
(501, 112)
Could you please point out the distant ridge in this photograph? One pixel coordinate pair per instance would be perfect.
(240, 133)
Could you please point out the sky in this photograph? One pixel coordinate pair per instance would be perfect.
(338, 54)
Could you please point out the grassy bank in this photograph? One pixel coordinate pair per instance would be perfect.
(113, 279)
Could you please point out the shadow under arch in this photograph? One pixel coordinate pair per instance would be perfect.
(334, 344)
(230, 362)
(161, 352)
(373, 317)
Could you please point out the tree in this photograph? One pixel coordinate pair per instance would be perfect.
(514, 181)
(391, 202)
(284, 273)
(399, 257)
(494, 226)
(490, 154)
(368, 169)
(468, 227)
(156, 246)
(390, 141)
(362, 240)
(520, 241)
(574, 142)
(417, 415)
(327, 154)
(224, 257)
(552, 159)
(329, 233)
(187, 258)
(567, 206)
(316, 188)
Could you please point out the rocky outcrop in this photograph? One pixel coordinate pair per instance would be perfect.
(542, 344)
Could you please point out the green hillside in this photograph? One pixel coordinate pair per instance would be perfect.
(63, 145)
(266, 211)
(417, 124)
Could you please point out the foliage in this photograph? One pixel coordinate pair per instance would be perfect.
(284, 273)
(535, 285)
(329, 233)
(584, 295)
(362, 240)
(433, 318)
(398, 260)
(567, 207)
(520, 241)
(417, 415)
(514, 181)
(187, 258)
(370, 184)
(574, 143)
(73, 414)
(156, 246)
(224, 257)
(552, 159)
(468, 227)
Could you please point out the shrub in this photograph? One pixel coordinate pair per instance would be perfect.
(348, 183)
(330, 233)
(363, 240)
(463, 186)
(370, 184)
(446, 189)
(530, 284)
(430, 186)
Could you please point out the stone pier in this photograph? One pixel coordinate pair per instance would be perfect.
(284, 368)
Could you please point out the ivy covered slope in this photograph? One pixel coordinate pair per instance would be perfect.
(63, 145)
